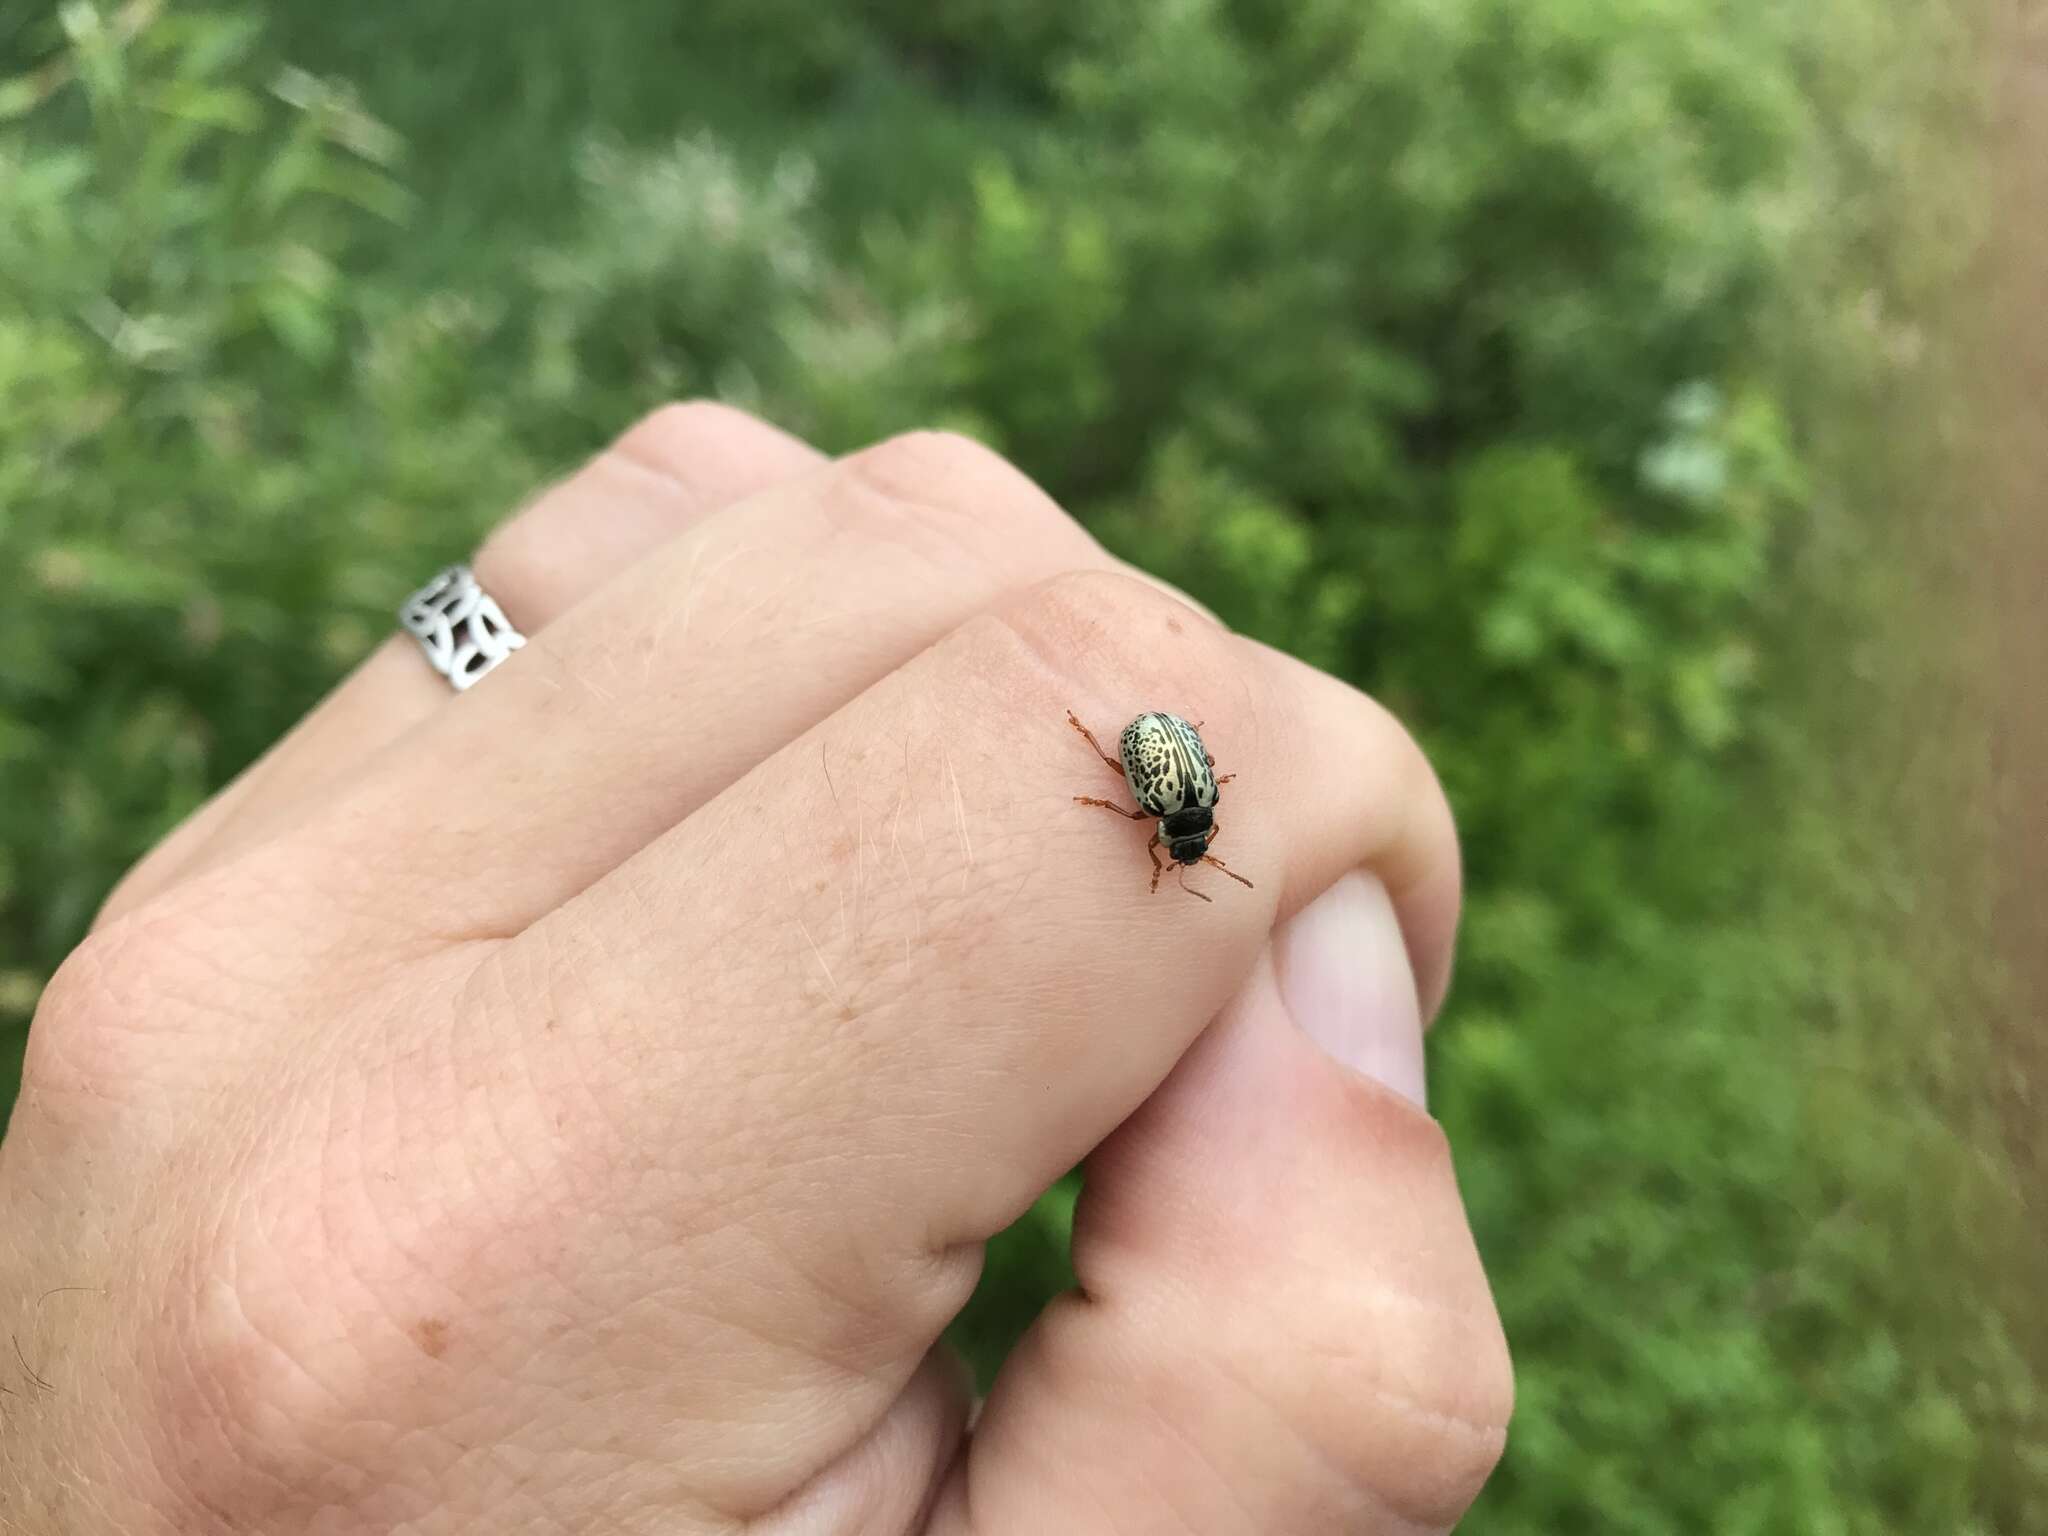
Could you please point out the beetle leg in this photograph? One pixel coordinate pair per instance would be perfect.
(1158, 869)
(1210, 858)
(1111, 805)
(1075, 721)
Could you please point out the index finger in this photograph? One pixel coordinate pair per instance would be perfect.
(906, 909)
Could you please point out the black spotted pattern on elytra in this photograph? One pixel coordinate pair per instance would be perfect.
(1166, 764)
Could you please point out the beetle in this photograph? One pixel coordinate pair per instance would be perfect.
(1172, 776)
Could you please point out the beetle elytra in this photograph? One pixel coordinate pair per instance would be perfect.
(1171, 774)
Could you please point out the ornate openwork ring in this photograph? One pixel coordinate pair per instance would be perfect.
(463, 631)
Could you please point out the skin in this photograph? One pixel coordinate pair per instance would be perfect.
(580, 1104)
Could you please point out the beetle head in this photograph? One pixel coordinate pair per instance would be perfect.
(1186, 833)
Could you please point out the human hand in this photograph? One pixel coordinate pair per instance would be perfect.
(580, 1104)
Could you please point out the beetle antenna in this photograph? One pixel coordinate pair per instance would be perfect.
(1190, 889)
(1210, 858)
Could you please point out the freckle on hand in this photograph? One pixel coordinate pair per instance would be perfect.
(432, 1337)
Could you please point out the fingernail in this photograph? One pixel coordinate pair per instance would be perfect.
(1344, 977)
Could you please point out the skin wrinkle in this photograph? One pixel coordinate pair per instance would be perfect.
(626, 456)
(518, 1125)
(800, 1511)
(1427, 1522)
(1465, 1321)
(380, 1192)
(845, 999)
(736, 1508)
(1357, 1367)
(571, 1076)
(862, 510)
(868, 1377)
(1221, 1486)
(1104, 1517)
(1009, 511)
(573, 1165)
(214, 1394)
(692, 433)
(373, 925)
(157, 965)
(1252, 1390)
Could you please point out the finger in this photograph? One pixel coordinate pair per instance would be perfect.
(670, 470)
(887, 1483)
(639, 706)
(1282, 1325)
(787, 1066)
(909, 958)
(644, 703)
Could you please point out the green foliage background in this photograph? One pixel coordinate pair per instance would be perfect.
(1561, 370)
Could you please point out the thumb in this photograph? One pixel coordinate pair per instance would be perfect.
(1282, 1323)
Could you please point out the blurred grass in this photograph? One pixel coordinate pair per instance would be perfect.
(1571, 374)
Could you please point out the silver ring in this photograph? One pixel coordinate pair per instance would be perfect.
(461, 628)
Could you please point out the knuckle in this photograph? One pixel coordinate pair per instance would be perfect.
(521, 549)
(1438, 1396)
(158, 1004)
(961, 485)
(706, 451)
(1144, 634)
(916, 462)
(1369, 1340)
(90, 1042)
(1418, 772)
(67, 1008)
(148, 875)
(1433, 885)
(1090, 596)
(275, 1355)
(670, 437)
(1412, 1384)
(1416, 782)
(1404, 1399)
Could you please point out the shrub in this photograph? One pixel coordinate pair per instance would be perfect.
(1494, 355)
